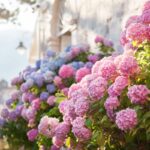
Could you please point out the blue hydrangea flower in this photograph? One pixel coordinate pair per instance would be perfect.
(38, 64)
(59, 62)
(68, 48)
(51, 88)
(49, 76)
(44, 96)
(75, 65)
(89, 65)
(50, 53)
(52, 66)
(81, 64)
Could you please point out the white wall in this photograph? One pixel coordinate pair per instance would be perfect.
(105, 17)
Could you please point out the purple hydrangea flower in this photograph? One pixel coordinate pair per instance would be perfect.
(44, 96)
(51, 88)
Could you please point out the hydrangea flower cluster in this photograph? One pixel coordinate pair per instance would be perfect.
(137, 28)
(126, 119)
(37, 89)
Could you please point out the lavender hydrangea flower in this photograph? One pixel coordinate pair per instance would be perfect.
(44, 96)
(51, 88)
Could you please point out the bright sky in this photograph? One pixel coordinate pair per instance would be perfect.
(11, 63)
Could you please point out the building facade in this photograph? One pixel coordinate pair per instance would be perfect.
(63, 22)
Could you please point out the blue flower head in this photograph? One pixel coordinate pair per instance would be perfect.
(68, 48)
(50, 53)
(51, 88)
(38, 64)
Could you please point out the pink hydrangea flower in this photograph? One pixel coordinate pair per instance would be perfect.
(53, 147)
(81, 106)
(35, 104)
(81, 73)
(93, 58)
(146, 6)
(31, 113)
(138, 94)
(123, 39)
(126, 119)
(75, 51)
(65, 91)
(32, 134)
(58, 142)
(132, 19)
(99, 39)
(51, 100)
(58, 81)
(79, 122)
(107, 69)
(62, 130)
(116, 88)
(82, 134)
(76, 91)
(47, 126)
(138, 32)
(69, 112)
(96, 67)
(62, 106)
(66, 71)
(145, 17)
(97, 88)
(124, 67)
(111, 103)
(84, 83)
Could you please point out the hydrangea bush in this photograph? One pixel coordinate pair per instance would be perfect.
(109, 108)
(32, 113)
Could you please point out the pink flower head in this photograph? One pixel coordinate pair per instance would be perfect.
(81, 73)
(138, 94)
(66, 71)
(97, 88)
(62, 106)
(65, 91)
(76, 91)
(146, 6)
(58, 142)
(145, 17)
(58, 81)
(36, 103)
(123, 39)
(51, 100)
(108, 43)
(93, 58)
(111, 103)
(75, 51)
(32, 134)
(132, 19)
(79, 122)
(84, 83)
(138, 32)
(124, 67)
(47, 126)
(62, 130)
(81, 106)
(53, 147)
(126, 119)
(68, 111)
(99, 39)
(82, 134)
(116, 88)
(107, 69)
(31, 113)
